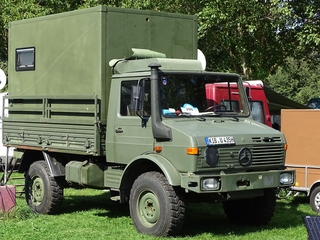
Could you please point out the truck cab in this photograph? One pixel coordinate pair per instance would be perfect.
(167, 117)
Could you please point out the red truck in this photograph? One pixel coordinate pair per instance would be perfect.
(218, 94)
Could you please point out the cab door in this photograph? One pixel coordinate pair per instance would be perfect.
(132, 133)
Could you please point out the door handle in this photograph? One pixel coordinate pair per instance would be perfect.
(119, 130)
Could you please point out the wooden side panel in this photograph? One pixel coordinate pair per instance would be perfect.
(301, 128)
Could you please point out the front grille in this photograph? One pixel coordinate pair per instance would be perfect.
(260, 139)
(262, 155)
(267, 154)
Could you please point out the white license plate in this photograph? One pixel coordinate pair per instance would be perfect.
(211, 141)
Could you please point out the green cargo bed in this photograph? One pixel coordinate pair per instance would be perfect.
(61, 124)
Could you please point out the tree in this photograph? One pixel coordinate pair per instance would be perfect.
(306, 22)
(15, 10)
(246, 35)
(249, 37)
(297, 79)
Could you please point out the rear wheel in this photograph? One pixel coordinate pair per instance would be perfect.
(155, 207)
(255, 211)
(44, 194)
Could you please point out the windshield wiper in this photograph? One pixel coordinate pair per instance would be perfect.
(188, 115)
(235, 118)
(223, 114)
(220, 114)
(202, 119)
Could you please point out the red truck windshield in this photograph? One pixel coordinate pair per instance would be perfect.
(196, 94)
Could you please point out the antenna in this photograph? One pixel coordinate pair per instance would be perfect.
(3, 79)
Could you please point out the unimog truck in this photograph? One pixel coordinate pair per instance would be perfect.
(115, 99)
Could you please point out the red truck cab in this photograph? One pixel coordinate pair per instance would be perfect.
(218, 94)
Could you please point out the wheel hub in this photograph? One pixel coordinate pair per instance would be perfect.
(317, 200)
(37, 191)
(148, 207)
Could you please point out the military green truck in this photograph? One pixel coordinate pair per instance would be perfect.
(116, 99)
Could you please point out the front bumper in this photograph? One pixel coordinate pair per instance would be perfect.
(234, 182)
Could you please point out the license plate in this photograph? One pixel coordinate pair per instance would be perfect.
(226, 140)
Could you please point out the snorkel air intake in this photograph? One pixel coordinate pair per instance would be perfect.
(160, 131)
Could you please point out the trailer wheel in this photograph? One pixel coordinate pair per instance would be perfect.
(315, 199)
(44, 194)
(155, 207)
(255, 211)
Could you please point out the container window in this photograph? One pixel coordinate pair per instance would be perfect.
(25, 59)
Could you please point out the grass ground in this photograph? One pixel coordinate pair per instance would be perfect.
(90, 214)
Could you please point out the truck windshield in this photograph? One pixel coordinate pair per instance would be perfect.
(202, 94)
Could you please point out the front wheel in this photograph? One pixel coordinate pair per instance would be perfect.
(155, 207)
(44, 194)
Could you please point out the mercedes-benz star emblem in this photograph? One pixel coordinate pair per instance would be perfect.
(245, 157)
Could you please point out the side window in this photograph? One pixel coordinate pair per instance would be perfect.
(25, 59)
(125, 107)
(125, 102)
(147, 99)
(257, 111)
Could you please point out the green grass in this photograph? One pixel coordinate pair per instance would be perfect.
(90, 214)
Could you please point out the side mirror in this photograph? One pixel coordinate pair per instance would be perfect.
(137, 98)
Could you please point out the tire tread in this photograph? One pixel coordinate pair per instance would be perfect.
(55, 191)
(177, 206)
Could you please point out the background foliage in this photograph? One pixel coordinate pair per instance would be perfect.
(273, 40)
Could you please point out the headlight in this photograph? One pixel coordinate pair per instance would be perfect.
(210, 184)
(286, 178)
(211, 155)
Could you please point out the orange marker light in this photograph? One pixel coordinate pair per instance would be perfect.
(158, 149)
(285, 146)
(193, 151)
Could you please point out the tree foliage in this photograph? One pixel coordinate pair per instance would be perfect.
(243, 36)
(297, 79)
(306, 22)
(255, 38)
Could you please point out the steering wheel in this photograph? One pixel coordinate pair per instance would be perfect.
(215, 106)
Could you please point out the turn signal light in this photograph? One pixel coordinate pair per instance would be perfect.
(158, 149)
(193, 151)
(285, 146)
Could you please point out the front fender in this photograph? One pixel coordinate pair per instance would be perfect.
(172, 175)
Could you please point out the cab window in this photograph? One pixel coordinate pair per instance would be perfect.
(126, 94)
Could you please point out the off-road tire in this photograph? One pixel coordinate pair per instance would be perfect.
(255, 211)
(44, 194)
(155, 207)
(315, 199)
